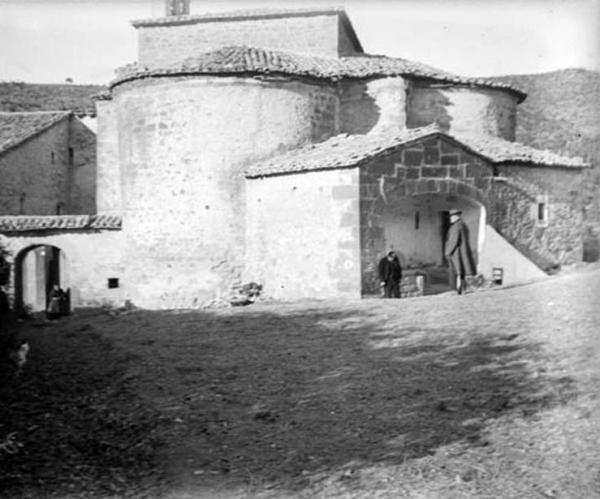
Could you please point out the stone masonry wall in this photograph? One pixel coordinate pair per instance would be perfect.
(83, 170)
(463, 110)
(373, 106)
(30, 173)
(38, 176)
(161, 45)
(302, 234)
(92, 258)
(183, 146)
(514, 205)
(108, 181)
(434, 167)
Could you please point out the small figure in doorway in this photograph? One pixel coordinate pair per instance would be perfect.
(56, 298)
(390, 274)
(458, 252)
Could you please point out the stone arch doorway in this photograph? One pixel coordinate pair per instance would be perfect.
(37, 269)
(414, 225)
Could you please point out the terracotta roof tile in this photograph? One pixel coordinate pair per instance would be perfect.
(344, 151)
(247, 60)
(15, 128)
(27, 223)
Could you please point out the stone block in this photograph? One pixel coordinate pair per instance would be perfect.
(434, 171)
(381, 167)
(449, 159)
(456, 171)
(432, 155)
(413, 172)
(413, 157)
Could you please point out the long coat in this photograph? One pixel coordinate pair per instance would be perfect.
(458, 251)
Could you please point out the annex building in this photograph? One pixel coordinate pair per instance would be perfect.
(267, 146)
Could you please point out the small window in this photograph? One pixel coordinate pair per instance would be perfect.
(417, 220)
(52, 157)
(113, 282)
(540, 211)
(60, 208)
(71, 156)
(22, 204)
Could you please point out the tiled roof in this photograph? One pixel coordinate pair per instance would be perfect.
(18, 127)
(28, 223)
(341, 151)
(499, 150)
(238, 60)
(344, 151)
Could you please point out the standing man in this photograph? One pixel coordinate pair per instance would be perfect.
(390, 274)
(458, 252)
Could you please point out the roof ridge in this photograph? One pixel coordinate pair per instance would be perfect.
(222, 60)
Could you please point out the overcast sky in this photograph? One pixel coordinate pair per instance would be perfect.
(50, 40)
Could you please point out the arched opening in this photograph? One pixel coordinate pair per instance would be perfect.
(415, 226)
(37, 270)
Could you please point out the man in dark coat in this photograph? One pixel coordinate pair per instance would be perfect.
(458, 252)
(390, 274)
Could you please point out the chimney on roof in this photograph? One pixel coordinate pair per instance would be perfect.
(177, 7)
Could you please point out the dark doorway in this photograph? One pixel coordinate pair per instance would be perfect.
(37, 270)
(445, 225)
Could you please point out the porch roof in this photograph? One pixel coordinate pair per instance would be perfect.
(28, 223)
(346, 151)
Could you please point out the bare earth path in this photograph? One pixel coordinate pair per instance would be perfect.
(493, 394)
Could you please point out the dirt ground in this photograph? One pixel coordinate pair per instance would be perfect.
(495, 394)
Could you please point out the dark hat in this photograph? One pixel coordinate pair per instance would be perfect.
(455, 212)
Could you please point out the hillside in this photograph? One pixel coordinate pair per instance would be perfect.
(562, 113)
(19, 96)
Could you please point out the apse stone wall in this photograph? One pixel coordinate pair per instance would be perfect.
(372, 106)
(302, 234)
(183, 145)
(463, 110)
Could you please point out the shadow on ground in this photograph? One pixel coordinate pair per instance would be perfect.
(258, 398)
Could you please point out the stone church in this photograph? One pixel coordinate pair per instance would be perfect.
(267, 146)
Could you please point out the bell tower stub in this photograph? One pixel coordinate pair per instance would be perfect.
(177, 7)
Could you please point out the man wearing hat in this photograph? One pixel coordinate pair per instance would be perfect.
(458, 252)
